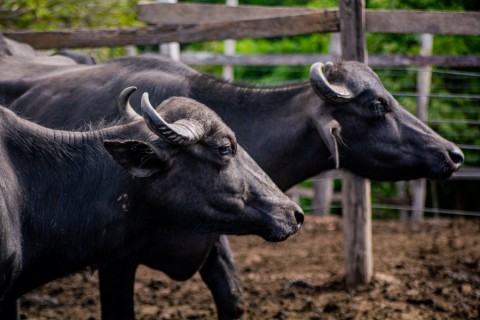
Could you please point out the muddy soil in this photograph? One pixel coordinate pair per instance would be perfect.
(429, 272)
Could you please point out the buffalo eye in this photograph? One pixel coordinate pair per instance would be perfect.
(379, 106)
(226, 150)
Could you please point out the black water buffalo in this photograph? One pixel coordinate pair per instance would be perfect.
(343, 117)
(61, 57)
(69, 200)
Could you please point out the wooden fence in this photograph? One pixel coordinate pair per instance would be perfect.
(185, 23)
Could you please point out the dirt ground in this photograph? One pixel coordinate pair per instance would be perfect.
(432, 272)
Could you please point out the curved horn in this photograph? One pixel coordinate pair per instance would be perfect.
(124, 107)
(181, 132)
(329, 92)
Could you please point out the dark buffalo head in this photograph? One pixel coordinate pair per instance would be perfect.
(370, 134)
(193, 168)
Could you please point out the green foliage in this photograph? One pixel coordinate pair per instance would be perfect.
(55, 14)
(58, 14)
(380, 43)
(456, 45)
(315, 43)
(381, 192)
(416, 4)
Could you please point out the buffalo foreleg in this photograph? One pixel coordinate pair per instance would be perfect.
(117, 289)
(10, 309)
(222, 278)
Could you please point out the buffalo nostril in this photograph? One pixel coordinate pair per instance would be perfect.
(456, 155)
(299, 217)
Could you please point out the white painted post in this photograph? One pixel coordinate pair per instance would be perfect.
(434, 193)
(335, 47)
(322, 196)
(229, 49)
(130, 51)
(424, 80)
(402, 193)
(171, 49)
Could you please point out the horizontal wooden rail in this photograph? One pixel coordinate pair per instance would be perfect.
(434, 22)
(467, 173)
(383, 21)
(194, 13)
(204, 58)
(324, 21)
(268, 22)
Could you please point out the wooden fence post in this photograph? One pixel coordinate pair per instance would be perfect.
(356, 191)
(357, 220)
(424, 80)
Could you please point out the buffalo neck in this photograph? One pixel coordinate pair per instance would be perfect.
(273, 124)
(70, 190)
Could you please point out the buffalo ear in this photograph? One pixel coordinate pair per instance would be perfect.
(329, 130)
(140, 159)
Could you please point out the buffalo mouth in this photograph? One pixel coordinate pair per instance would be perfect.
(444, 163)
(445, 173)
(272, 226)
(279, 237)
(452, 162)
(431, 164)
(282, 230)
